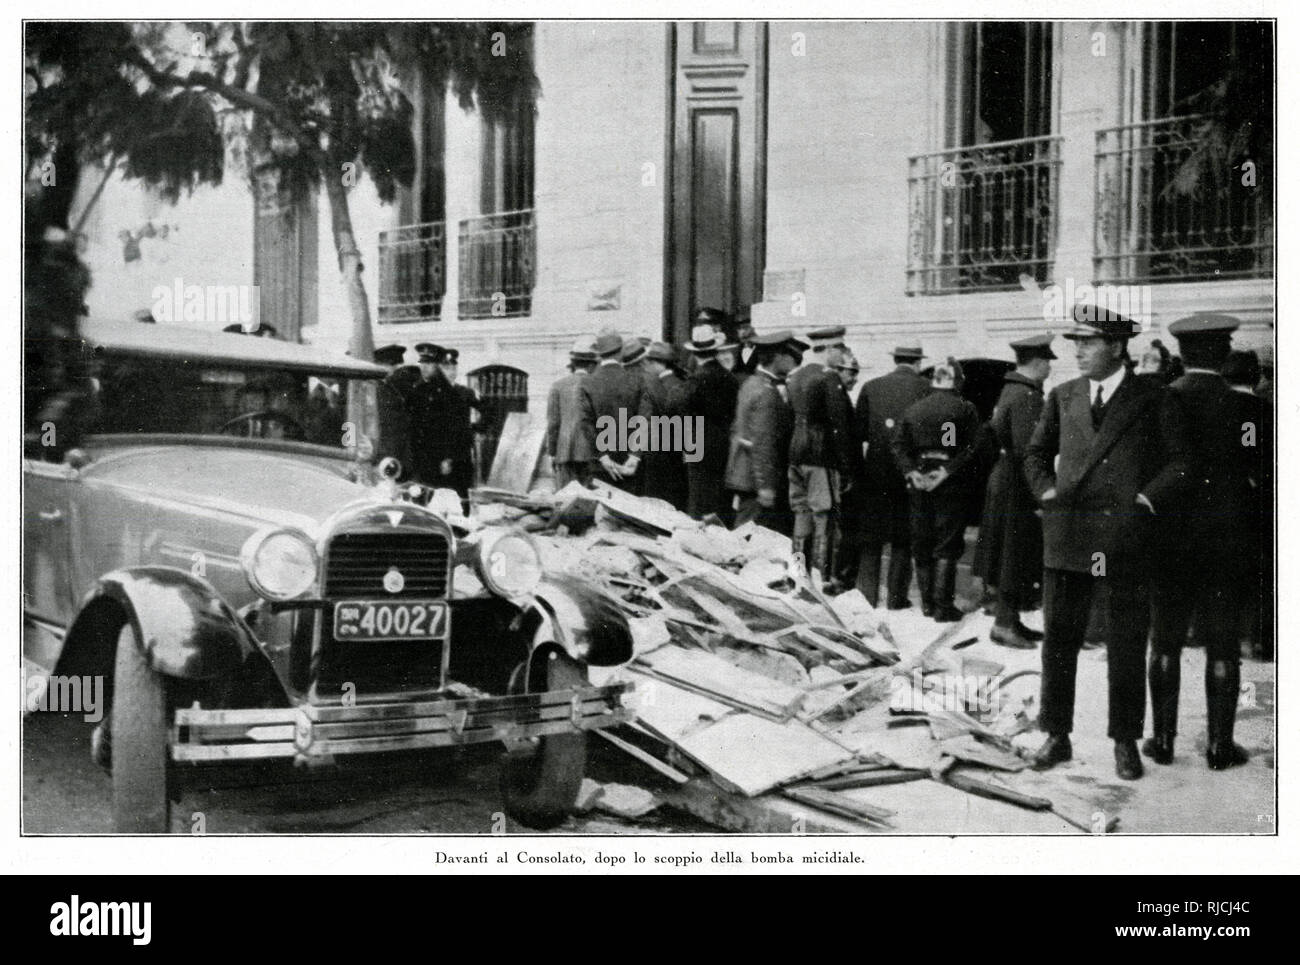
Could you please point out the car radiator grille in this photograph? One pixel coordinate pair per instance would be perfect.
(355, 565)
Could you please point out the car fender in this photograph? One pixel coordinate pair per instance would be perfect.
(584, 621)
(182, 625)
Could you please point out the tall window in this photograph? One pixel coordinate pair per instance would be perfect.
(413, 257)
(982, 209)
(1184, 189)
(498, 248)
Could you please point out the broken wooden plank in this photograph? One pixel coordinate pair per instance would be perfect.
(645, 757)
(839, 804)
(872, 778)
(671, 712)
(765, 814)
(715, 677)
(964, 779)
(751, 754)
(968, 748)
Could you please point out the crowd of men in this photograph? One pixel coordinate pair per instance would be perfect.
(1144, 489)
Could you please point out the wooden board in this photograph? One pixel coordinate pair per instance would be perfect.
(766, 814)
(750, 754)
(670, 712)
(707, 674)
(519, 453)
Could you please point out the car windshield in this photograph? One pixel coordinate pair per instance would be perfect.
(143, 395)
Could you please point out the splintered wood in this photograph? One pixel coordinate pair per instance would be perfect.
(751, 682)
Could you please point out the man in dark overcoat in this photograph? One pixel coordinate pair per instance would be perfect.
(1010, 552)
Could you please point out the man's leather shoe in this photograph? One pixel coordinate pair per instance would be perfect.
(1035, 635)
(1008, 637)
(1055, 750)
(1160, 749)
(899, 604)
(1128, 765)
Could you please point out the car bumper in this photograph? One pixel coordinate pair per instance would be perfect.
(323, 731)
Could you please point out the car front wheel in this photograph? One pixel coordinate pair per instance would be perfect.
(540, 780)
(139, 742)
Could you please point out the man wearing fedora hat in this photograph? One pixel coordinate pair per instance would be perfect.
(885, 514)
(1109, 452)
(611, 392)
(1010, 551)
(1213, 541)
(710, 393)
(665, 472)
(757, 465)
(571, 450)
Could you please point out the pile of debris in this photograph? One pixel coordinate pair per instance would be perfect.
(750, 682)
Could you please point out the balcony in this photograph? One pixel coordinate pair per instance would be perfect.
(982, 216)
(412, 272)
(1160, 218)
(498, 259)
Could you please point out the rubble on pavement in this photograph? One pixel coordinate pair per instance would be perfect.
(747, 673)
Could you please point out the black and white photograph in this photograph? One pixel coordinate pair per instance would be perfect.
(764, 433)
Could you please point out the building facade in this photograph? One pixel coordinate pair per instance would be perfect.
(956, 184)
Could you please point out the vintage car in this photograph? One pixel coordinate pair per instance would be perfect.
(218, 545)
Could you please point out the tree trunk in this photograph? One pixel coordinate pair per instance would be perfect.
(361, 344)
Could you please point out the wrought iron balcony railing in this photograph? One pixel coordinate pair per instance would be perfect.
(498, 258)
(1168, 210)
(982, 216)
(412, 272)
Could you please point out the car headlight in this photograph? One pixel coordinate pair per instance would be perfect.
(509, 564)
(280, 563)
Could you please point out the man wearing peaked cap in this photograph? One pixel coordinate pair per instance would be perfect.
(710, 394)
(390, 397)
(611, 395)
(1010, 552)
(1211, 543)
(427, 403)
(1106, 461)
(571, 449)
(457, 439)
(821, 447)
(886, 515)
(757, 463)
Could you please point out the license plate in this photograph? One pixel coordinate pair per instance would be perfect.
(390, 620)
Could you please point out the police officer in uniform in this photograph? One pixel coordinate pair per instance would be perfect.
(426, 402)
(757, 466)
(933, 446)
(820, 448)
(457, 440)
(394, 420)
(885, 515)
(1010, 553)
(1209, 544)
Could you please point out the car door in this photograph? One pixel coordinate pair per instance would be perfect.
(47, 573)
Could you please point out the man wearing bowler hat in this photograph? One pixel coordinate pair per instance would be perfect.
(710, 393)
(1107, 458)
(757, 465)
(820, 447)
(1210, 542)
(1010, 552)
(885, 515)
(571, 450)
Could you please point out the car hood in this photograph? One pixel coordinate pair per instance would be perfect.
(263, 486)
